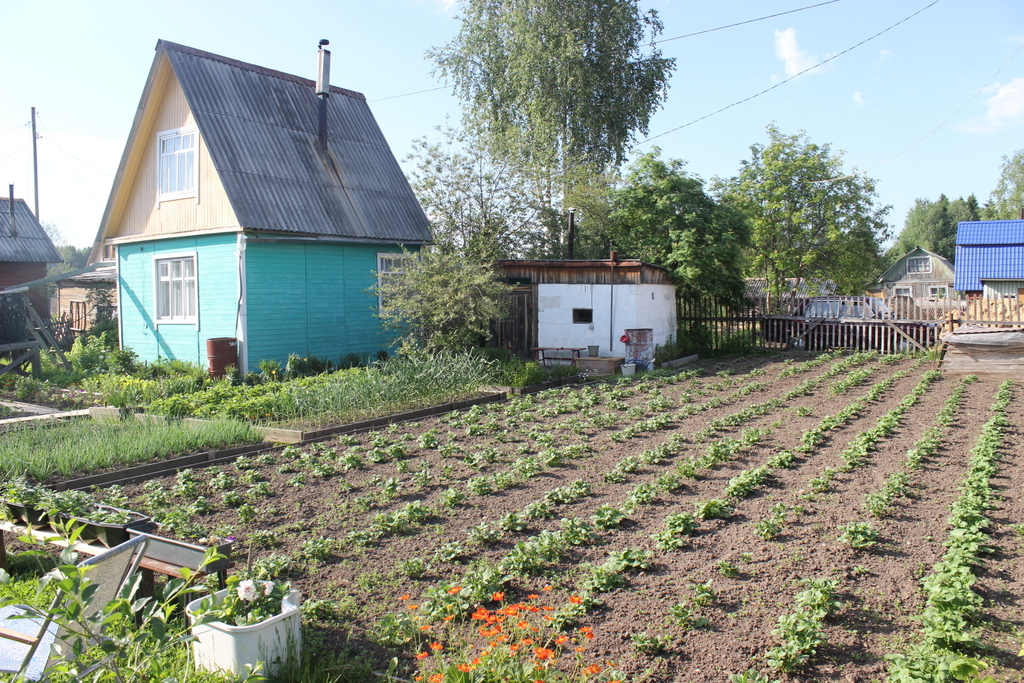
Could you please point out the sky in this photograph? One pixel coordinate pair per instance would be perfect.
(930, 106)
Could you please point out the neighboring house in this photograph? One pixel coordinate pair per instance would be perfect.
(81, 298)
(229, 218)
(25, 249)
(990, 259)
(919, 274)
(575, 304)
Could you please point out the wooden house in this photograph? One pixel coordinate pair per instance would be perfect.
(918, 274)
(575, 304)
(25, 251)
(81, 299)
(990, 259)
(246, 206)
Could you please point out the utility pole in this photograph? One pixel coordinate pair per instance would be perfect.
(35, 162)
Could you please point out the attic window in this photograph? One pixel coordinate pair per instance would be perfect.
(176, 167)
(919, 264)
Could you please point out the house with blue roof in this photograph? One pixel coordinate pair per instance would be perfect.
(257, 206)
(990, 259)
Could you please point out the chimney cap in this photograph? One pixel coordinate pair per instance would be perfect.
(323, 42)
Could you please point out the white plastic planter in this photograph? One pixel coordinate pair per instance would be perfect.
(628, 368)
(219, 646)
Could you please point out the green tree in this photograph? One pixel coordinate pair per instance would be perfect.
(441, 301)
(479, 206)
(932, 226)
(661, 214)
(561, 86)
(1007, 199)
(809, 217)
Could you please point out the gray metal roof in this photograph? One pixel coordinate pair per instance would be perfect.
(260, 127)
(31, 244)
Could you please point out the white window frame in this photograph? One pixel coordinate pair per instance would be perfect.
(182, 318)
(927, 263)
(938, 292)
(189, 191)
(387, 262)
(903, 291)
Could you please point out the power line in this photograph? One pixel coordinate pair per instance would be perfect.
(795, 76)
(25, 146)
(655, 42)
(72, 166)
(936, 128)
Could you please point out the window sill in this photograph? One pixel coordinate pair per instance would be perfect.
(176, 321)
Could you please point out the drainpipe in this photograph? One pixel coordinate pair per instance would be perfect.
(612, 257)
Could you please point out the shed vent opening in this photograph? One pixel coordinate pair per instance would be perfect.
(583, 316)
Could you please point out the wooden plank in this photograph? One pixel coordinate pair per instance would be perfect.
(905, 335)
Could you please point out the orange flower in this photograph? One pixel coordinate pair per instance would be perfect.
(533, 608)
(480, 614)
(405, 597)
(478, 661)
(449, 617)
(561, 639)
(436, 678)
(436, 647)
(592, 669)
(422, 655)
(513, 648)
(532, 596)
(548, 608)
(576, 600)
(590, 636)
(544, 653)
(523, 624)
(425, 627)
(417, 678)
(526, 641)
(454, 590)
(498, 596)
(548, 587)
(580, 649)
(465, 667)
(586, 629)
(414, 606)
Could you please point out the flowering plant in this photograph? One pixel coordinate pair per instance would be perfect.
(247, 601)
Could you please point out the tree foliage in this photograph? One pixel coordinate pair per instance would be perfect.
(661, 214)
(1007, 199)
(479, 206)
(808, 216)
(932, 226)
(561, 82)
(441, 301)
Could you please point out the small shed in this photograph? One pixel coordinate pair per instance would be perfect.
(575, 304)
(918, 274)
(82, 299)
(25, 250)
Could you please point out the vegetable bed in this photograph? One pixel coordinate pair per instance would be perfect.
(758, 514)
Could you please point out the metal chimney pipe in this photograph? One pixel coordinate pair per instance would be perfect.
(323, 87)
(572, 231)
(14, 229)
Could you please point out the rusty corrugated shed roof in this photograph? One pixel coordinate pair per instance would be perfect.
(31, 244)
(260, 127)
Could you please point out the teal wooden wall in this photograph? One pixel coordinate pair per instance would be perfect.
(217, 283)
(312, 299)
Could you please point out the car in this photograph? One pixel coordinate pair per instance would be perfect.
(854, 322)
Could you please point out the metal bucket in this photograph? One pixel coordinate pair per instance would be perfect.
(640, 348)
(220, 353)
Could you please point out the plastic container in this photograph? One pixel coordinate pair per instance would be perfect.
(222, 647)
(628, 368)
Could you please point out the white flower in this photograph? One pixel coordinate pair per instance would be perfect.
(247, 591)
(268, 587)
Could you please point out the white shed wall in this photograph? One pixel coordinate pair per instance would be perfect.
(616, 308)
(1001, 289)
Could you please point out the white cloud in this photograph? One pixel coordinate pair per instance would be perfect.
(446, 5)
(884, 55)
(794, 59)
(858, 98)
(1005, 110)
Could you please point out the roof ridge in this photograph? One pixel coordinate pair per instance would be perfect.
(195, 52)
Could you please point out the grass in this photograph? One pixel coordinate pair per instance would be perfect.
(69, 448)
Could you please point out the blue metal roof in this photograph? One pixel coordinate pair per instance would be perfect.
(260, 127)
(989, 232)
(977, 263)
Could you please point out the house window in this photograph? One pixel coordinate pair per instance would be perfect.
(937, 292)
(389, 266)
(176, 174)
(176, 289)
(109, 252)
(902, 291)
(919, 264)
(583, 316)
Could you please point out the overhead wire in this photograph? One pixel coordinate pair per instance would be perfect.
(71, 165)
(933, 130)
(791, 78)
(654, 42)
